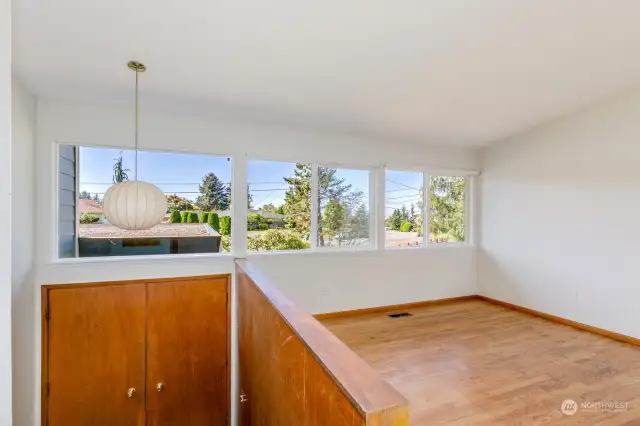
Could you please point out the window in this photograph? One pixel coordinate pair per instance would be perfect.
(291, 206)
(279, 215)
(403, 208)
(197, 189)
(446, 209)
(343, 207)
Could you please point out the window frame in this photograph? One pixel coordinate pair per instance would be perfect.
(469, 215)
(467, 205)
(245, 215)
(372, 245)
(239, 210)
(55, 249)
(425, 208)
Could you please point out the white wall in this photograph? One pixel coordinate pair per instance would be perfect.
(355, 280)
(24, 291)
(561, 217)
(111, 126)
(331, 282)
(5, 212)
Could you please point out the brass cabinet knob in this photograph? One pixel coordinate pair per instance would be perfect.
(131, 392)
(160, 387)
(243, 398)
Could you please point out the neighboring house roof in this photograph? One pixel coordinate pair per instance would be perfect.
(161, 230)
(89, 206)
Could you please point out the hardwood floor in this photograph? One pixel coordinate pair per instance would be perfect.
(474, 363)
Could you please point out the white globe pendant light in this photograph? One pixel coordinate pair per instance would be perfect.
(134, 205)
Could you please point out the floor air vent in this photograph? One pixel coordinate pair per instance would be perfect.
(400, 315)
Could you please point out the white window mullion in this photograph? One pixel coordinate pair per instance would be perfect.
(378, 209)
(239, 207)
(425, 209)
(469, 205)
(76, 241)
(314, 207)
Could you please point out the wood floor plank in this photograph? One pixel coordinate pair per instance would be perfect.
(475, 363)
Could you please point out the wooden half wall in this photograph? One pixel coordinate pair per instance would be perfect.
(293, 371)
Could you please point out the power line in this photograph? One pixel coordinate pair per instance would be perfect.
(404, 196)
(268, 189)
(260, 183)
(398, 190)
(261, 202)
(402, 184)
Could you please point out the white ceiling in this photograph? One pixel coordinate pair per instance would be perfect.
(464, 72)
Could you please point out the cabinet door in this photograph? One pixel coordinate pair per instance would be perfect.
(187, 335)
(96, 354)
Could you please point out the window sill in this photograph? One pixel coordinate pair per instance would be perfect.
(432, 246)
(353, 250)
(320, 251)
(159, 258)
(256, 254)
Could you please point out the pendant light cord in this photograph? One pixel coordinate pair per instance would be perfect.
(135, 172)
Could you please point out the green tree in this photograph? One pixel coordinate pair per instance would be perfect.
(86, 218)
(360, 222)
(394, 221)
(334, 220)
(175, 217)
(119, 173)
(175, 202)
(84, 195)
(297, 205)
(204, 217)
(225, 225)
(249, 197)
(214, 194)
(268, 208)
(214, 221)
(331, 187)
(446, 207)
(225, 243)
(184, 217)
(280, 210)
(404, 214)
(418, 225)
(276, 240)
(254, 220)
(193, 217)
(297, 202)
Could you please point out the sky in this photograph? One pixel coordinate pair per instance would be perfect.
(401, 189)
(182, 173)
(266, 182)
(173, 173)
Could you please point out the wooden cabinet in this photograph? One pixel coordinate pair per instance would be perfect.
(186, 354)
(96, 353)
(138, 353)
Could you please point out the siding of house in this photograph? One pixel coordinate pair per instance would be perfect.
(67, 210)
